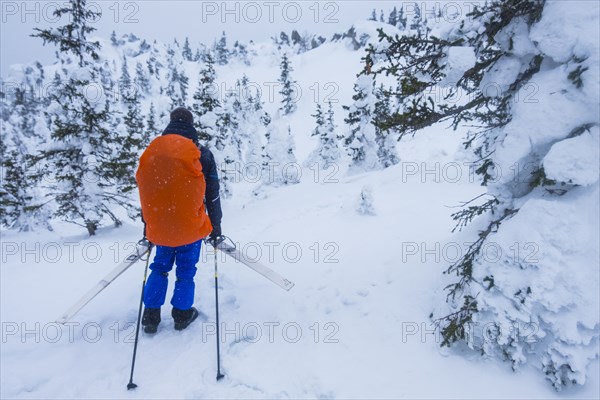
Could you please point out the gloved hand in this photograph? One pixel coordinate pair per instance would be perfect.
(145, 240)
(215, 236)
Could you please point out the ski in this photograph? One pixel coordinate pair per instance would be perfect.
(142, 248)
(265, 271)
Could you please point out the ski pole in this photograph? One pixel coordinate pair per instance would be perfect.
(132, 385)
(219, 374)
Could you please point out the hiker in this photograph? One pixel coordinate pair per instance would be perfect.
(178, 183)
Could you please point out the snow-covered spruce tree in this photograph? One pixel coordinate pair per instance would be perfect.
(385, 138)
(206, 102)
(151, 130)
(416, 22)
(81, 137)
(252, 121)
(301, 42)
(141, 80)
(526, 289)
(221, 51)
(153, 64)
(22, 205)
(327, 152)
(177, 80)
(113, 39)
(319, 121)
(80, 157)
(186, 52)
(279, 162)
(360, 141)
(402, 20)
(364, 205)
(16, 201)
(393, 18)
(198, 56)
(373, 16)
(130, 140)
(240, 52)
(287, 92)
(72, 38)
(330, 125)
(291, 171)
(125, 78)
(227, 146)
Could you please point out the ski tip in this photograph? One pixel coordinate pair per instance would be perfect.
(288, 285)
(61, 320)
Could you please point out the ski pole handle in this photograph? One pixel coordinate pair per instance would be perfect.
(218, 240)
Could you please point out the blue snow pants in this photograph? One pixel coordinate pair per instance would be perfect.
(186, 257)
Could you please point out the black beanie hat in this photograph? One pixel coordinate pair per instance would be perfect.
(182, 114)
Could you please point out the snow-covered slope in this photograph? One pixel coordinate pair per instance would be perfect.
(355, 325)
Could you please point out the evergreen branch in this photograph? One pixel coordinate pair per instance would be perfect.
(464, 266)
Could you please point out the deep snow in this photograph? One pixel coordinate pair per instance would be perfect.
(353, 327)
(356, 325)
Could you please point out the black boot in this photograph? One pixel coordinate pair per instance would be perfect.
(183, 318)
(151, 319)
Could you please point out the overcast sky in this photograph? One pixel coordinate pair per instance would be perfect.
(201, 21)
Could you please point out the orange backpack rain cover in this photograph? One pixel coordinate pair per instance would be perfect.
(172, 186)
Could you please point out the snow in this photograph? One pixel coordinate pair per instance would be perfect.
(502, 75)
(369, 305)
(364, 284)
(537, 287)
(541, 117)
(575, 160)
(567, 29)
(458, 60)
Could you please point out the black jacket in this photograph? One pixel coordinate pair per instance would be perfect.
(212, 196)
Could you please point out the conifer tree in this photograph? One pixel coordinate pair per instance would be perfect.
(253, 120)
(393, 18)
(386, 141)
(187, 51)
(287, 92)
(113, 39)
(141, 80)
(373, 16)
(177, 80)
(240, 51)
(130, 141)
(319, 120)
(416, 23)
(365, 202)
(72, 38)
(81, 157)
(22, 206)
(153, 64)
(221, 51)
(402, 20)
(151, 128)
(475, 294)
(327, 151)
(206, 103)
(279, 161)
(125, 79)
(361, 140)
